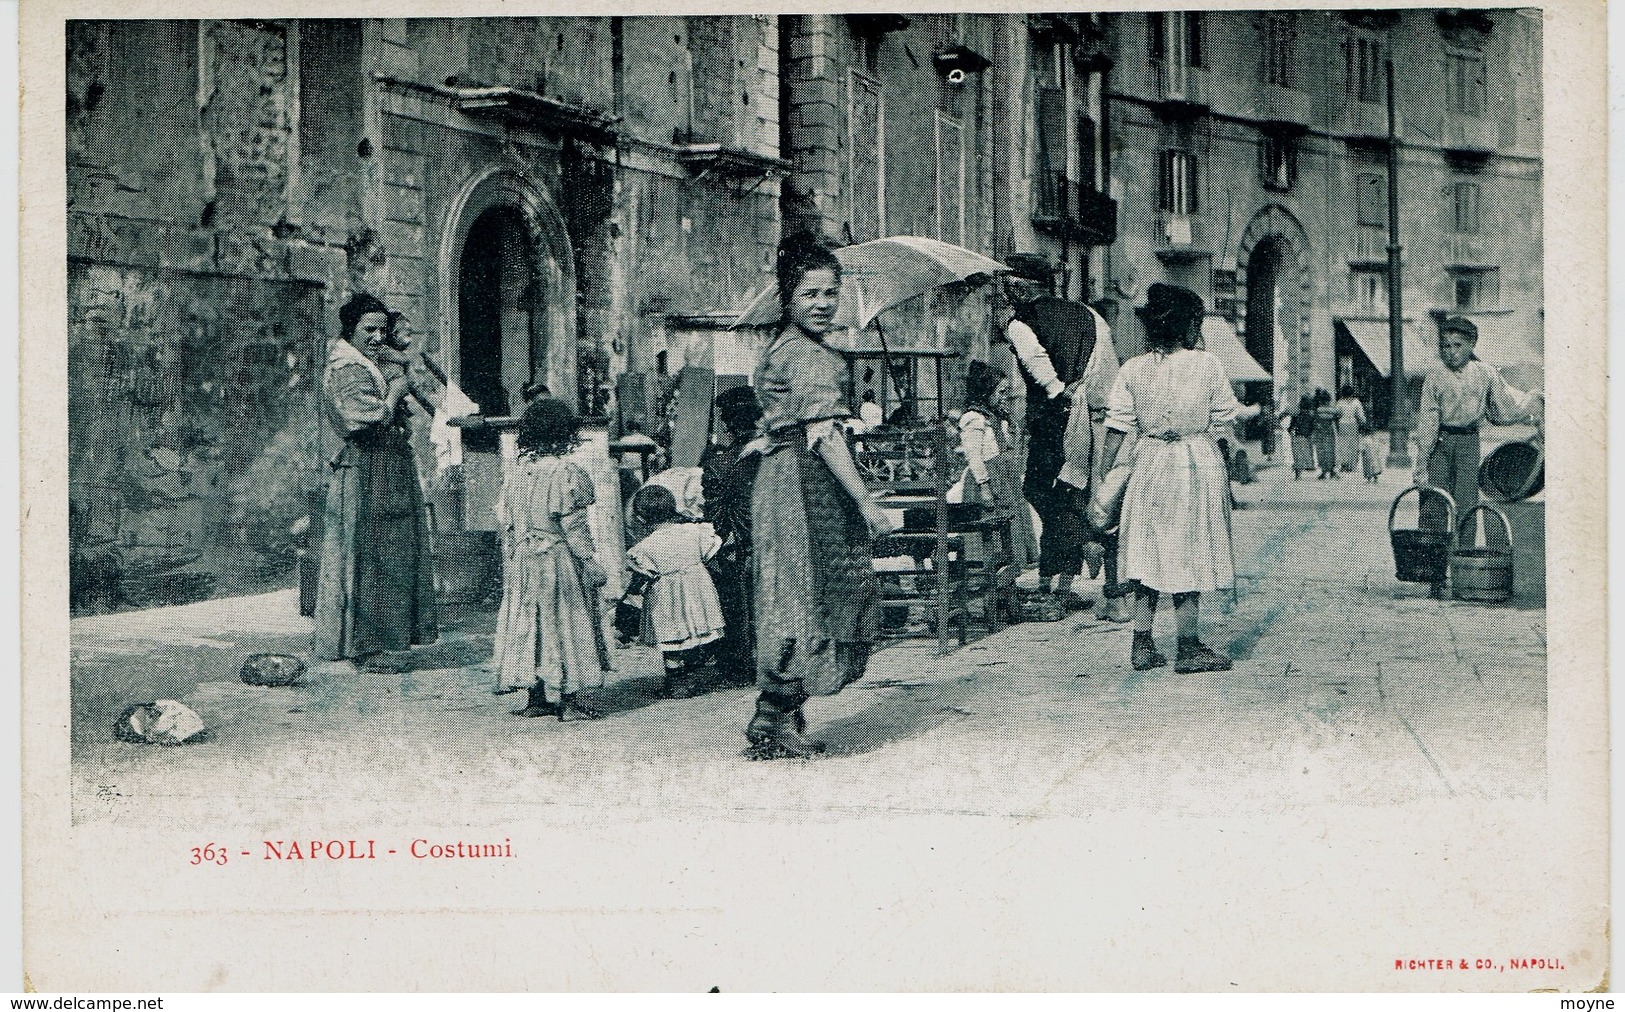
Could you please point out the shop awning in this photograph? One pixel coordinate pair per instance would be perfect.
(1421, 352)
(1219, 337)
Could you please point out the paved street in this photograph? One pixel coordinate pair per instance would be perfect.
(1349, 688)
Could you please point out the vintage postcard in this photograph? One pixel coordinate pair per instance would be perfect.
(648, 499)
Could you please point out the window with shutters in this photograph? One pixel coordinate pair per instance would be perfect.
(1465, 216)
(1365, 66)
(1370, 199)
(1476, 288)
(1277, 161)
(1088, 153)
(1051, 167)
(950, 152)
(1464, 82)
(1176, 37)
(1279, 63)
(1179, 183)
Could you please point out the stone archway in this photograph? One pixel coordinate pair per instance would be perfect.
(500, 208)
(1274, 252)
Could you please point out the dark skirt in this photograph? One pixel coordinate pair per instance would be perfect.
(377, 586)
(817, 598)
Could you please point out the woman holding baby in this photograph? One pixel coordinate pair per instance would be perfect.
(376, 592)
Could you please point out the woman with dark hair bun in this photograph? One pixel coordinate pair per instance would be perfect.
(376, 591)
(548, 638)
(813, 522)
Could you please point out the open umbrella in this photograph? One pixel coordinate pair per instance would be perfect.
(880, 274)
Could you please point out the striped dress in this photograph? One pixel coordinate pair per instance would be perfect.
(1175, 533)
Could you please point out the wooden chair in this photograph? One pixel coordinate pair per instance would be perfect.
(913, 469)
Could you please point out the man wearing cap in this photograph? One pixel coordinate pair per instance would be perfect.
(1456, 400)
(1066, 355)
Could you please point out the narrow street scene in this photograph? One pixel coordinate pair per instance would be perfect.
(1046, 395)
(793, 424)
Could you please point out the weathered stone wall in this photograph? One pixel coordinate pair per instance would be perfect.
(192, 428)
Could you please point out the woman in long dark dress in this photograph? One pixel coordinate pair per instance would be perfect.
(813, 522)
(376, 591)
(1325, 434)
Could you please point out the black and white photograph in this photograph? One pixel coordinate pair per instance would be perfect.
(928, 501)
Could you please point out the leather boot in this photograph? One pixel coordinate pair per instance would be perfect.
(773, 731)
(536, 704)
(1195, 656)
(1143, 655)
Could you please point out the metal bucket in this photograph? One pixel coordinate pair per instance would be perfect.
(1513, 472)
(1482, 572)
(1422, 556)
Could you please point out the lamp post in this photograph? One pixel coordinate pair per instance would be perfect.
(1398, 421)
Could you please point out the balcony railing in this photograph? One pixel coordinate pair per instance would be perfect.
(1368, 120)
(1284, 105)
(1180, 84)
(1071, 210)
(1466, 251)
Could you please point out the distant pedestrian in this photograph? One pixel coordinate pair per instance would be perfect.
(1371, 453)
(1301, 430)
(1325, 434)
(548, 638)
(680, 606)
(1350, 423)
(1175, 525)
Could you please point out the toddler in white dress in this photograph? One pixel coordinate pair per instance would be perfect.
(681, 612)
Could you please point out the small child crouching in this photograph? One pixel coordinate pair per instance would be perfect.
(681, 612)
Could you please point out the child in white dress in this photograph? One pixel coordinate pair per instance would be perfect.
(681, 612)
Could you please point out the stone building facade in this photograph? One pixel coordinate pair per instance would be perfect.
(588, 202)
(1249, 151)
(540, 196)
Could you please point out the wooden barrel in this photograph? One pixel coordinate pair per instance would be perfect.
(1482, 572)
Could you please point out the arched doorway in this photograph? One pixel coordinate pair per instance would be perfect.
(507, 313)
(1275, 285)
(1263, 271)
(498, 350)
(508, 301)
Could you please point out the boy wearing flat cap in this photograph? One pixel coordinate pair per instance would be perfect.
(1456, 400)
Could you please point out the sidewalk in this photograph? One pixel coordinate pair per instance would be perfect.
(1349, 688)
